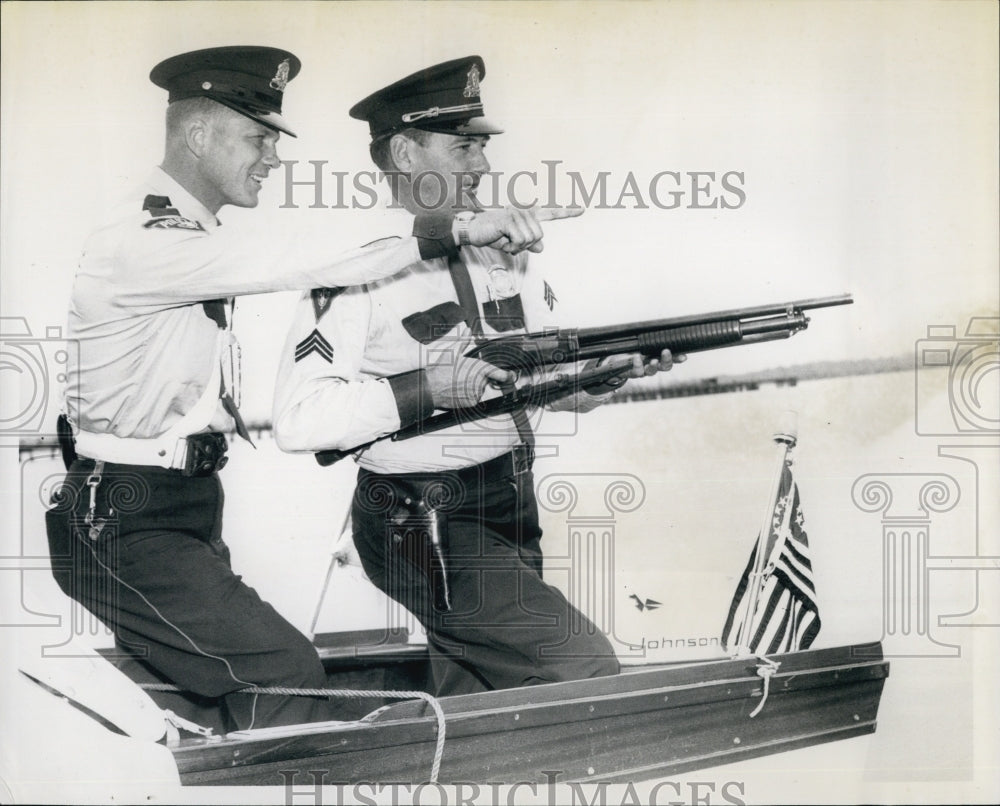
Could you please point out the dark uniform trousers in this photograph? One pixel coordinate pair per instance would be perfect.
(158, 574)
(506, 626)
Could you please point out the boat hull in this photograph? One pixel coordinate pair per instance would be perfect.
(645, 723)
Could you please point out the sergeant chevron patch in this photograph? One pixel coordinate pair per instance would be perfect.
(550, 297)
(314, 343)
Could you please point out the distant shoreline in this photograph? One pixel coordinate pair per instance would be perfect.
(663, 386)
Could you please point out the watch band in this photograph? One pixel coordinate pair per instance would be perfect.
(464, 219)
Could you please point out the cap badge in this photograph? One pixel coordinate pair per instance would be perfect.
(280, 80)
(472, 83)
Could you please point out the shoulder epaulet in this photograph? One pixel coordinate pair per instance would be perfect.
(321, 299)
(163, 216)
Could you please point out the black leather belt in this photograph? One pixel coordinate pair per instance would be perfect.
(203, 454)
(513, 463)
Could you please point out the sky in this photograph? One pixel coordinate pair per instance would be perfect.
(861, 138)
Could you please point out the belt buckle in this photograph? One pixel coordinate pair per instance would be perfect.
(206, 454)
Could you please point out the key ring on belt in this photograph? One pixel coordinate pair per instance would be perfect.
(93, 481)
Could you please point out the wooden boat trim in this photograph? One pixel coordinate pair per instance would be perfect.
(737, 753)
(739, 689)
(702, 673)
(406, 724)
(667, 741)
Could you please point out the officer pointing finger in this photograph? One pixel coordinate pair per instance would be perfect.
(156, 386)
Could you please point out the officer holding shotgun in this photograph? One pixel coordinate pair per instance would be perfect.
(135, 533)
(446, 523)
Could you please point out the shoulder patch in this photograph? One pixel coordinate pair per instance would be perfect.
(172, 222)
(321, 299)
(163, 216)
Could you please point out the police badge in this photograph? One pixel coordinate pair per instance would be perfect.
(501, 282)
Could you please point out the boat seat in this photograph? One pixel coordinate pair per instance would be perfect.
(359, 649)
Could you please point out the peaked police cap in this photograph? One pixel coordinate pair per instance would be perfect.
(443, 98)
(248, 78)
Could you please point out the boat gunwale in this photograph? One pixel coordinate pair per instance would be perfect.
(734, 754)
(835, 711)
(392, 729)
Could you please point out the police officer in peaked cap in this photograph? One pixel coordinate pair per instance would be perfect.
(445, 98)
(446, 523)
(135, 531)
(249, 80)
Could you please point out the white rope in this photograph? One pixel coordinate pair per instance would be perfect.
(766, 670)
(342, 692)
(176, 722)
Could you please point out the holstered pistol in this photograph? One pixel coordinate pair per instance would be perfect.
(420, 534)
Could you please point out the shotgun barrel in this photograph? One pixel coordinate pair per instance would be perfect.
(685, 334)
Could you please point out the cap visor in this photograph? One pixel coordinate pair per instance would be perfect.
(270, 119)
(478, 126)
(470, 126)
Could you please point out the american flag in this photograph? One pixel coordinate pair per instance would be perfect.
(785, 617)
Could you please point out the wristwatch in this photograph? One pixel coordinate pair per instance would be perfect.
(464, 219)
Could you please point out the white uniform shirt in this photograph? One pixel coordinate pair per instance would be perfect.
(146, 346)
(331, 392)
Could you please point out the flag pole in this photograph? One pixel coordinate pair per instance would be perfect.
(785, 438)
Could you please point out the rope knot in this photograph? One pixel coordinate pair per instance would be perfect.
(765, 670)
